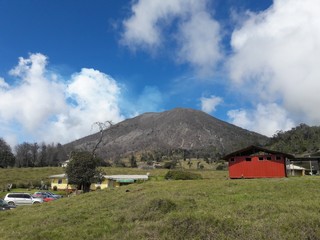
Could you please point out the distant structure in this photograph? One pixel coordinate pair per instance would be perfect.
(257, 162)
(294, 170)
(65, 163)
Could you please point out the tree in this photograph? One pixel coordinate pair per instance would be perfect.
(42, 159)
(34, 154)
(7, 158)
(102, 128)
(82, 170)
(133, 161)
(23, 155)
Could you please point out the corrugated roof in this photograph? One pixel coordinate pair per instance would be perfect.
(58, 176)
(254, 149)
(114, 177)
(294, 167)
(121, 177)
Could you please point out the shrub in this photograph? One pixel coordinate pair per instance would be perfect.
(155, 208)
(22, 185)
(106, 164)
(55, 188)
(170, 165)
(161, 205)
(182, 175)
(221, 167)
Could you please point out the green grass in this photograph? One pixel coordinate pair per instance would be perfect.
(24, 177)
(212, 208)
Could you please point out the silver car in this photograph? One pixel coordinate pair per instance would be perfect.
(16, 199)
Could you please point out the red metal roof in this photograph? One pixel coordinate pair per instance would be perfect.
(254, 149)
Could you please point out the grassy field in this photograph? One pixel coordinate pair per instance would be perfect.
(212, 208)
(24, 177)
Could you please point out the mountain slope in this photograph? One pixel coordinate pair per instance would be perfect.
(300, 140)
(175, 129)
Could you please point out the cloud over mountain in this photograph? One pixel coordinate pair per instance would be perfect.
(276, 61)
(44, 107)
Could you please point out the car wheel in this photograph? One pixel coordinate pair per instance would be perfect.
(36, 202)
(11, 204)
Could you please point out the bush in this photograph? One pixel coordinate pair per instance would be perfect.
(221, 167)
(22, 185)
(55, 188)
(106, 164)
(182, 175)
(161, 205)
(170, 165)
(155, 208)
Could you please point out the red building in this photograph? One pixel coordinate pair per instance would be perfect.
(257, 162)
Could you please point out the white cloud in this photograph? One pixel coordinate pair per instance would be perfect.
(277, 55)
(209, 105)
(3, 84)
(265, 119)
(39, 107)
(36, 97)
(93, 97)
(197, 34)
(199, 39)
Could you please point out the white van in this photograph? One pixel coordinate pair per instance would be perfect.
(16, 199)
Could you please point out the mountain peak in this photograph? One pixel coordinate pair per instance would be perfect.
(179, 128)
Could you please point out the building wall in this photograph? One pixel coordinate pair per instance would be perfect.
(61, 184)
(103, 185)
(262, 166)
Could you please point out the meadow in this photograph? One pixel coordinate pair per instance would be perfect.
(212, 208)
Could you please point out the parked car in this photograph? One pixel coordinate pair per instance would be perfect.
(46, 197)
(16, 199)
(4, 205)
(54, 195)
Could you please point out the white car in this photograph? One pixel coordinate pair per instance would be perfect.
(16, 199)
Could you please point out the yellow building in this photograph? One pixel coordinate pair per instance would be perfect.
(60, 181)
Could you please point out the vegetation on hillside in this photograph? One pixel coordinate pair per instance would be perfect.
(31, 155)
(182, 175)
(302, 139)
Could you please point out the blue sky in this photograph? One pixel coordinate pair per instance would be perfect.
(67, 64)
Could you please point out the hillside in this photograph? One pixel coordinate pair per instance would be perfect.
(211, 208)
(301, 140)
(175, 129)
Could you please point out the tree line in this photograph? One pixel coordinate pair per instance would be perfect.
(300, 139)
(31, 154)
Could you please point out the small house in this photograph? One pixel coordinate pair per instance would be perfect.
(294, 170)
(257, 162)
(60, 181)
